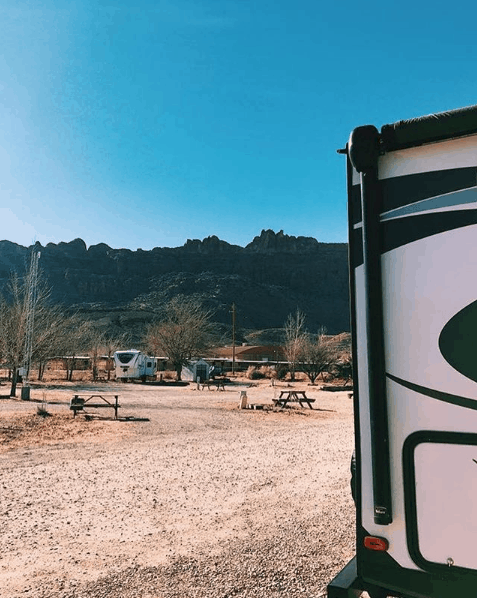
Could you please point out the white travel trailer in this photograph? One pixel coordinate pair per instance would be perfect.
(412, 203)
(134, 365)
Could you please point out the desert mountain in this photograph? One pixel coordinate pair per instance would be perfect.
(267, 279)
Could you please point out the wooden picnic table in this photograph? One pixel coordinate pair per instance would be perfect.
(293, 396)
(219, 384)
(78, 403)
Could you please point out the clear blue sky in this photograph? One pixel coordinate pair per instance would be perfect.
(145, 123)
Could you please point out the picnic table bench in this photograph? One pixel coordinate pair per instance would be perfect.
(78, 403)
(293, 396)
(219, 384)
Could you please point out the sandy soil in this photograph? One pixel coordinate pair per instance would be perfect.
(185, 495)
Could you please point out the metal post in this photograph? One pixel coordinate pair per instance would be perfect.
(233, 310)
(29, 311)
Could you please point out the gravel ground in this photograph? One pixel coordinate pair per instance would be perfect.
(185, 496)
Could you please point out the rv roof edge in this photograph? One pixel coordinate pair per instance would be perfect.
(430, 128)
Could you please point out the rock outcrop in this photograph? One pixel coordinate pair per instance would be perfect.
(269, 278)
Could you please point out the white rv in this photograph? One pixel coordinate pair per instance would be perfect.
(134, 365)
(412, 203)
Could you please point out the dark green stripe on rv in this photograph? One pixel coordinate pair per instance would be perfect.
(457, 341)
(436, 394)
(400, 232)
(405, 190)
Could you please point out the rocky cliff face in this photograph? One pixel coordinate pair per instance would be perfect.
(267, 279)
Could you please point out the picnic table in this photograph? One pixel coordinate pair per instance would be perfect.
(219, 384)
(293, 396)
(78, 403)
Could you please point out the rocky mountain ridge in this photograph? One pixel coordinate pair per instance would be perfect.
(267, 279)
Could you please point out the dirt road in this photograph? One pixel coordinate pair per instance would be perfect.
(184, 496)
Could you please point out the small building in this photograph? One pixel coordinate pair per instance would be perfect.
(248, 353)
(195, 370)
(80, 362)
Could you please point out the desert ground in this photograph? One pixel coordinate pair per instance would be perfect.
(185, 495)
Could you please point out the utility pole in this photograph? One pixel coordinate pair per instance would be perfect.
(233, 310)
(29, 308)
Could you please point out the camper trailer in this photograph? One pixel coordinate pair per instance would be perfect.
(412, 203)
(134, 365)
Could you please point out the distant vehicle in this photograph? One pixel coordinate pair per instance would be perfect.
(134, 365)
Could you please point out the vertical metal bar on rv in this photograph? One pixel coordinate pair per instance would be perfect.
(363, 153)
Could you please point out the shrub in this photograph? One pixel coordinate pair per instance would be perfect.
(268, 371)
(168, 375)
(254, 374)
(42, 411)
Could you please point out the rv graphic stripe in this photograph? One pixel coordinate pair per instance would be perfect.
(457, 341)
(402, 231)
(436, 394)
(450, 200)
(404, 190)
(408, 189)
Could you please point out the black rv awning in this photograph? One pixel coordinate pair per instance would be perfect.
(426, 129)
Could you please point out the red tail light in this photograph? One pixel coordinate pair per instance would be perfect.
(375, 543)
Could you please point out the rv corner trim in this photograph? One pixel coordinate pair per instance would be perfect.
(363, 148)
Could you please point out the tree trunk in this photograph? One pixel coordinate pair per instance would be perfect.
(42, 369)
(13, 390)
(71, 370)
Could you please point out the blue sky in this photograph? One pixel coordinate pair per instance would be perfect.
(144, 124)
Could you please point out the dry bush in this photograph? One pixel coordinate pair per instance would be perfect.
(281, 372)
(168, 375)
(42, 411)
(268, 371)
(343, 367)
(254, 373)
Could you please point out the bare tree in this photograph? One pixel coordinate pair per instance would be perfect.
(101, 342)
(12, 329)
(184, 331)
(19, 330)
(25, 339)
(29, 323)
(112, 343)
(75, 341)
(51, 327)
(318, 354)
(295, 336)
(343, 367)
